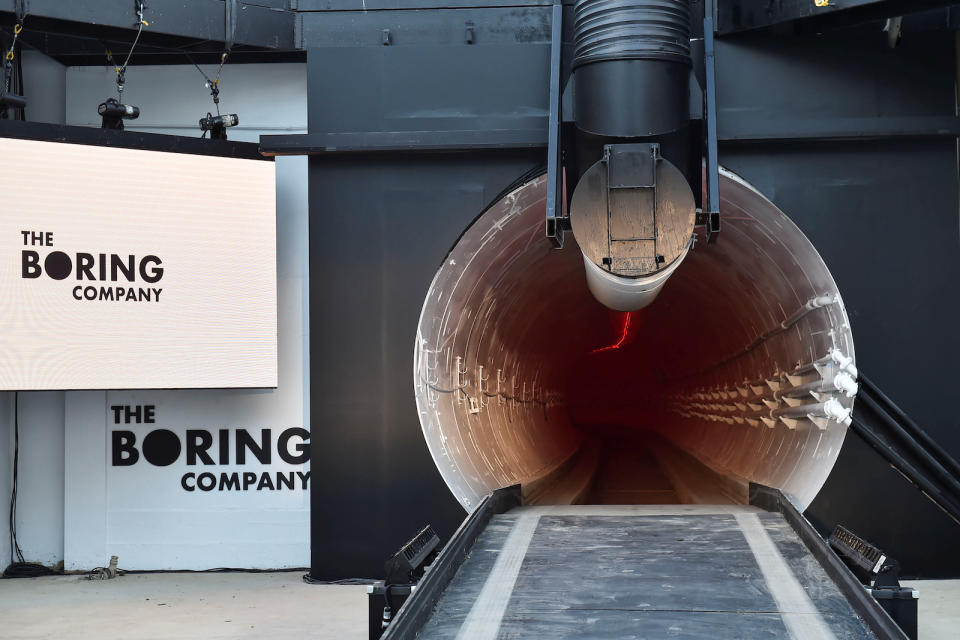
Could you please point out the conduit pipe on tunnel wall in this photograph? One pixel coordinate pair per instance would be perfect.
(745, 361)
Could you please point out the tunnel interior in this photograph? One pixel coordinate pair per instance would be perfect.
(741, 370)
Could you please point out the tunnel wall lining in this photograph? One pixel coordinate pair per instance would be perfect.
(490, 375)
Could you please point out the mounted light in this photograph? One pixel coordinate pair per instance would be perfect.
(114, 113)
(217, 125)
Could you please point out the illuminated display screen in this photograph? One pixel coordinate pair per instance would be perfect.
(132, 269)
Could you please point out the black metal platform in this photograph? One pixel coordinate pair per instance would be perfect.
(639, 571)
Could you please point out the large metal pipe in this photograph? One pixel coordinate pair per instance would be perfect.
(742, 366)
(631, 64)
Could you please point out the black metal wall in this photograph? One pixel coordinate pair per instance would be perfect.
(380, 225)
(881, 208)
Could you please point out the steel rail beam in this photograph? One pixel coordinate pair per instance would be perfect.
(859, 598)
(258, 23)
(734, 16)
(402, 141)
(735, 129)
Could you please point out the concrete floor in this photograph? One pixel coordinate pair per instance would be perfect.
(184, 606)
(939, 609)
(187, 606)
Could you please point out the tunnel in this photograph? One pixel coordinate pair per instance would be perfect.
(742, 370)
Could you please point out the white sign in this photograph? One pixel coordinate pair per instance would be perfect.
(131, 269)
(189, 487)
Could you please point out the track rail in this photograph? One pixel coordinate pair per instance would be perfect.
(419, 606)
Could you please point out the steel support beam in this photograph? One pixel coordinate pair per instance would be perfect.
(744, 15)
(746, 130)
(402, 141)
(556, 222)
(258, 24)
(711, 204)
(94, 136)
(402, 5)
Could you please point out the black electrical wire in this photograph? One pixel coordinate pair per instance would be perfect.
(211, 570)
(19, 568)
(122, 69)
(27, 570)
(345, 581)
(214, 83)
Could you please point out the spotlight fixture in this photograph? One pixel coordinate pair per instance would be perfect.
(217, 125)
(10, 101)
(114, 113)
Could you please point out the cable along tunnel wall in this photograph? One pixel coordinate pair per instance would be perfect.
(744, 362)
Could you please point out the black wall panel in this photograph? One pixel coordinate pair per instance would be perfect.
(884, 216)
(377, 237)
(380, 225)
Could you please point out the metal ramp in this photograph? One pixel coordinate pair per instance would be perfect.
(644, 571)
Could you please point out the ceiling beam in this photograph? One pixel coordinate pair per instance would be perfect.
(734, 16)
(256, 23)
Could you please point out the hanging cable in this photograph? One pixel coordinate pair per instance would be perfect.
(14, 98)
(112, 110)
(215, 84)
(215, 124)
(10, 56)
(212, 83)
(122, 69)
(19, 568)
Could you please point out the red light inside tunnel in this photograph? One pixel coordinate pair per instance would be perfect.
(624, 334)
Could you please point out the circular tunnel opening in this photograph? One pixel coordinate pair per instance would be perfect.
(742, 369)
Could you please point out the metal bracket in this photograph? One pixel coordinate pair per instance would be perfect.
(556, 222)
(710, 215)
(139, 7)
(230, 17)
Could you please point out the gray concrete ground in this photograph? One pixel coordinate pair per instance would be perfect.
(213, 606)
(218, 606)
(939, 609)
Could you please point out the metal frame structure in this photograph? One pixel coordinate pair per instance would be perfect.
(401, 141)
(557, 222)
(810, 15)
(44, 132)
(710, 217)
(417, 609)
(75, 32)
